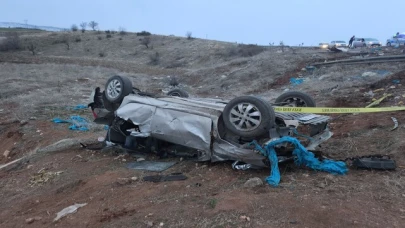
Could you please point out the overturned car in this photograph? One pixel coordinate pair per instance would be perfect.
(212, 129)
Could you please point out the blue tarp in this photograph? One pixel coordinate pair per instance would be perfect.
(78, 123)
(80, 107)
(296, 81)
(302, 157)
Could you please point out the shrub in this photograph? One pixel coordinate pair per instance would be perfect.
(143, 33)
(107, 31)
(120, 38)
(99, 37)
(102, 54)
(108, 36)
(154, 59)
(244, 50)
(247, 50)
(74, 28)
(189, 35)
(78, 39)
(146, 41)
(12, 42)
(32, 47)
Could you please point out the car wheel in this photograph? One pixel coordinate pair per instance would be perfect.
(109, 105)
(248, 116)
(178, 93)
(116, 88)
(295, 99)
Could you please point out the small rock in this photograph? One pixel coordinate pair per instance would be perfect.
(37, 218)
(6, 153)
(253, 182)
(402, 210)
(134, 178)
(140, 159)
(29, 166)
(181, 159)
(223, 76)
(243, 217)
(124, 181)
(161, 224)
(248, 219)
(149, 223)
(293, 221)
(23, 122)
(321, 185)
(331, 178)
(33, 118)
(29, 220)
(355, 222)
(124, 160)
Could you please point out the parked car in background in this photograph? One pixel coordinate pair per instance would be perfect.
(338, 43)
(366, 42)
(398, 39)
(323, 45)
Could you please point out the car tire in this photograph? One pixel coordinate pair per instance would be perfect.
(178, 93)
(116, 88)
(295, 99)
(112, 107)
(248, 116)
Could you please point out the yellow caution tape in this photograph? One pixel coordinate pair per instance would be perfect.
(324, 110)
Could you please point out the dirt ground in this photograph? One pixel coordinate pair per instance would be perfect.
(36, 89)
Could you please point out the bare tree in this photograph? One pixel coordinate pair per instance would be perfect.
(83, 25)
(93, 25)
(122, 31)
(74, 28)
(189, 35)
(32, 47)
(146, 41)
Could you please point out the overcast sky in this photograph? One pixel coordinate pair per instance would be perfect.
(242, 21)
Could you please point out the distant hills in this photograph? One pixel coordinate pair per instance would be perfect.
(27, 26)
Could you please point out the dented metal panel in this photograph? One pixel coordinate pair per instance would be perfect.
(182, 128)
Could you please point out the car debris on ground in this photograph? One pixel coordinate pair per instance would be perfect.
(69, 210)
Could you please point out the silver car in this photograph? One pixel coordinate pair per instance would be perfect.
(337, 44)
(212, 129)
(366, 42)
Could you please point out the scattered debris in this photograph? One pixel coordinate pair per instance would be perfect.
(125, 181)
(78, 123)
(151, 165)
(6, 153)
(296, 81)
(161, 178)
(377, 102)
(68, 210)
(395, 123)
(31, 220)
(42, 177)
(80, 107)
(244, 217)
(304, 157)
(237, 165)
(374, 162)
(253, 182)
